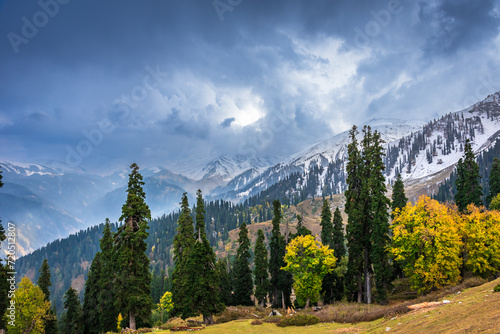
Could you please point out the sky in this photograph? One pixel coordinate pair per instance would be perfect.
(99, 84)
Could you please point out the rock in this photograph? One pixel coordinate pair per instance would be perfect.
(446, 301)
(275, 313)
(393, 318)
(387, 329)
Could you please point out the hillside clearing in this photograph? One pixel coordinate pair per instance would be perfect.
(474, 310)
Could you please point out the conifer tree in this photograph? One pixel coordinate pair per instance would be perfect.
(262, 284)
(225, 285)
(243, 284)
(469, 189)
(106, 294)
(399, 199)
(380, 216)
(494, 182)
(281, 281)
(326, 224)
(354, 229)
(133, 292)
(203, 283)
(339, 252)
(183, 244)
(91, 311)
(50, 322)
(327, 240)
(301, 229)
(72, 317)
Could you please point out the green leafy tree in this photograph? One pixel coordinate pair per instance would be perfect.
(71, 320)
(481, 232)
(494, 182)
(50, 322)
(133, 292)
(106, 293)
(91, 311)
(426, 236)
(166, 304)
(308, 261)
(183, 244)
(281, 281)
(243, 284)
(31, 309)
(202, 275)
(399, 199)
(262, 284)
(495, 203)
(468, 184)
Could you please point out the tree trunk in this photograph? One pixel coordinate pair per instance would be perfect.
(132, 321)
(307, 302)
(360, 289)
(366, 271)
(208, 319)
(283, 299)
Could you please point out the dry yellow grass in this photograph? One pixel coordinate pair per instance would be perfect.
(475, 310)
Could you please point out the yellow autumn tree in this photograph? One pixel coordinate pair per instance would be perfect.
(31, 309)
(482, 241)
(308, 261)
(426, 238)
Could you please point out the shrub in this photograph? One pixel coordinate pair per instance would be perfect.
(256, 322)
(240, 312)
(273, 320)
(473, 281)
(496, 288)
(300, 319)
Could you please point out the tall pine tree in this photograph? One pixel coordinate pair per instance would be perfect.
(281, 281)
(133, 292)
(339, 252)
(469, 189)
(225, 285)
(301, 229)
(183, 244)
(380, 216)
(243, 284)
(203, 282)
(262, 284)
(327, 240)
(106, 283)
(399, 199)
(494, 182)
(44, 283)
(354, 229)
(71, 320)
(91, 311)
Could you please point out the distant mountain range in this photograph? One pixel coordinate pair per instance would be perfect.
(49, 201)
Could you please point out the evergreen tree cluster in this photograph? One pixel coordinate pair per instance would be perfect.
(368, 218)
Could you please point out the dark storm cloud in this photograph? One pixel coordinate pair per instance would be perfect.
(173, 79)
(227, 122)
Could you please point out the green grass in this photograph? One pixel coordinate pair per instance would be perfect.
(473, 310)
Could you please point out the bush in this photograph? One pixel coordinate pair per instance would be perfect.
(473, 281)
(241, 312)
(300, 319)
(273, 320)
(496, 288)
(256, 322)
